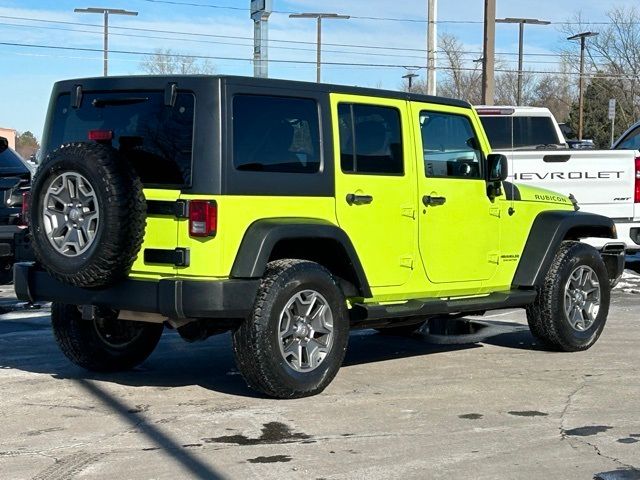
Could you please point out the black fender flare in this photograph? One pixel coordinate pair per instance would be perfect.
(548, 231)
(262, 236)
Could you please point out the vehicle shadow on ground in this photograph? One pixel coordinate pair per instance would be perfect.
(29, 346)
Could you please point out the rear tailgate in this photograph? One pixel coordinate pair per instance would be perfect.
(603, 181)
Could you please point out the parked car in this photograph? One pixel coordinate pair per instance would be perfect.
(288, 213)
(606, 182)
(629, 140)
(15, 179)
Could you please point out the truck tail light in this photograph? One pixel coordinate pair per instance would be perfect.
(636, 198)
(100, 135)
(203, 218)
(24, 213)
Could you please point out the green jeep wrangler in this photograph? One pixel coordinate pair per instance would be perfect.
(288, 213)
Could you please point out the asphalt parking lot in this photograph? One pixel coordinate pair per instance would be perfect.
(399, 408)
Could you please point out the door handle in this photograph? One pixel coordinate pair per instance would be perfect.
(353, 199)
(430, 201)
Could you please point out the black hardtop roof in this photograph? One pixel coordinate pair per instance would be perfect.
(159, 81)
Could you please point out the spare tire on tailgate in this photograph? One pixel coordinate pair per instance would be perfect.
(87, 215)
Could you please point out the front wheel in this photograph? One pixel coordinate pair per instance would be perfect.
(104, 344)
(571, 309)
(293, 343)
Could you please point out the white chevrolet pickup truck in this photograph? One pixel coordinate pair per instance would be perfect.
(606, 182)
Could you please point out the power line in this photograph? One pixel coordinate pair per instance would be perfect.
(301, 62)
(235, 37)
(363, 17)
(348, 52)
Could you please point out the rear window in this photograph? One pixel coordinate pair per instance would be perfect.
(157, 139)
(527, 131)
(10, 162)
(276, 134)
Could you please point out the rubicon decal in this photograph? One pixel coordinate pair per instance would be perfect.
(604, 175)
(550, 198)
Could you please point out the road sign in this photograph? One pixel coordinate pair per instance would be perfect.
(612, 109)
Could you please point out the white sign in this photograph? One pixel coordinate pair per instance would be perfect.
(612, 109)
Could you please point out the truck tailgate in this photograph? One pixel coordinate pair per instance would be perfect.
(603, 181)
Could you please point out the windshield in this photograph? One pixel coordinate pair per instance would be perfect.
(527, 131)
(156, 138)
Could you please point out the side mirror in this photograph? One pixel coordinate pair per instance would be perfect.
(498, 167)
(4, 144)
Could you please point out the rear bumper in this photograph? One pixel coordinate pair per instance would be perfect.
(628, 233)
(7, 242)
(175, 298)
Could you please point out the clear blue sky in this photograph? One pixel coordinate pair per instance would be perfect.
(26, 74)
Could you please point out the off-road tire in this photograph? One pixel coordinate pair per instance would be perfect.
(546, 316)
(256, 341)
(122, 209)
(82, 343)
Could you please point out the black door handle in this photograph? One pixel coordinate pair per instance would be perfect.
(430, 201)
(353, 199)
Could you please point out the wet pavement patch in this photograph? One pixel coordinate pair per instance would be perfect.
(527, 413)
(628, 440)
(620, 474)
(272, 432)
(471, 416)
(587, 431)
(271, 459)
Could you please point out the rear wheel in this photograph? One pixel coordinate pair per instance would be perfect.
(571, 309)
(294, 342)
(104, 344)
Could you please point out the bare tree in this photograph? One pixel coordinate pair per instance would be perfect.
(614, 56)
(461, 79)
(168, 62)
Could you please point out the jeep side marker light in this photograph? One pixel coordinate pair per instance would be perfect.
(203, 218)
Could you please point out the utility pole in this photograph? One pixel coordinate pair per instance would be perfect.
(489, 52)
(521, 22)
(105, 12)
(583, 38)
(319, 17)
(432, 40)
(409, 78)
(260, 12)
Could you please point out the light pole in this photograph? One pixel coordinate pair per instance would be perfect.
(432, 39)
(583, 38)
(521, 22)
(319, 17)
(489, 52)
(260, 13)
(106, 12)
(409, 77)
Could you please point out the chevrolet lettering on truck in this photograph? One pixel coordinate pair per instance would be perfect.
(606, 182)
(289, 213)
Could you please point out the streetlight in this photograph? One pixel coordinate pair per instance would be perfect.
(521, 22)
(409, 77)
(583, 37)
(106, 12)
(319, 17)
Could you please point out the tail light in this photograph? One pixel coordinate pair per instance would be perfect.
(24, 214)
(203, 218)
(636, 198)
(100, 135)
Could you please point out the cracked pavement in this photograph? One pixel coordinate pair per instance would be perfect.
(399, 408)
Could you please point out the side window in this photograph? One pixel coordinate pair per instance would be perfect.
(631, 142)
(450, 146)
(276, 134)
(370, 140)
